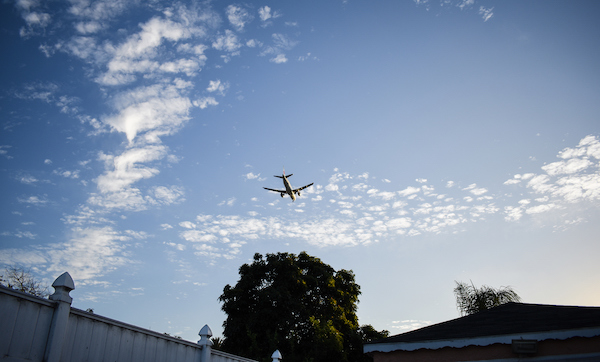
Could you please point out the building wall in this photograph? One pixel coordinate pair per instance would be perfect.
(572, 349)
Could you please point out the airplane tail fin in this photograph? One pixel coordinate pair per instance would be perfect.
(284, 176)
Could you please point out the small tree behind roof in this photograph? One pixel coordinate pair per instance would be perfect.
(470, 299)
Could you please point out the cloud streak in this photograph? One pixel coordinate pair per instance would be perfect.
(573, 179)
(349, 211)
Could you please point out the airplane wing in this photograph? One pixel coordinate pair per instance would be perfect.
(303, 187)
(280, 191)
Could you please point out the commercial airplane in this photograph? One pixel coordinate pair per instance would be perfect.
(288, 187)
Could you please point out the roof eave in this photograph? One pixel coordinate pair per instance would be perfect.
(480, 341)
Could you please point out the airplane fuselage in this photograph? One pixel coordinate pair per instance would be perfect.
(288, 188)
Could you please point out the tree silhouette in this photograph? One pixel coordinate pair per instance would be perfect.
(470, 299)
(22, 280)
(296, 304)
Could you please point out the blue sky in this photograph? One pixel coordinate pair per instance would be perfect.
(447, 140)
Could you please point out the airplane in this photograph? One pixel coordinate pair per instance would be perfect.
(288, 187)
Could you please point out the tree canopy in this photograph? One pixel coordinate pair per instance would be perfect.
(470, 299)
(296, 304)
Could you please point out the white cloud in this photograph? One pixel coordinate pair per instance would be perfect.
(168, 195)
(37, 19)
(99, 10)
(228, 42)
(88, 27)
(571, 166)
(280, 58)
(399, 223)
(512, 213)
(486, 14)
(155, 110)
(465, 3)
(217, 86)
(89, 254)
(203, 103)
(228, 202)
(264, 13)
(187, 225)
(25, 234)
(409, 325)
(67, 173)
(179, 247)
(409, 191)
(33, 200)
(573, 179)
(578, 188)
(128, 198)
(477, 191)
(125, 169)
(27, 179)
(238, 17)
(384, 195)
(140, 52)
(354, 218)
(540, 208)
(282, 41)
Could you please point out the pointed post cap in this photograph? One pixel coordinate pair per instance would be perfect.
(276, 356)
(205, 334)
(62, 287)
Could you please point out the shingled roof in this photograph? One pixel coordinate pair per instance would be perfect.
(507, 319)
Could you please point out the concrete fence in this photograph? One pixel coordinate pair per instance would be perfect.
(50, 330)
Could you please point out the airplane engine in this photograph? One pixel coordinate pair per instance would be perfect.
(282, 194)
(298, 193)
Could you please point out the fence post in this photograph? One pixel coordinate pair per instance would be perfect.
(276, 356)
(60, 319)
(205, 342)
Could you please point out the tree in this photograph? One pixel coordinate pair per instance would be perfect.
(22, 280)
(296, 304)
(217, 343)
(369, 334)
(470, 299)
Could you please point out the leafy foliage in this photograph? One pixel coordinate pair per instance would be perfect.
(470, 299)
(369, 334)
(217, 343)
(23, 281)
(296, 304)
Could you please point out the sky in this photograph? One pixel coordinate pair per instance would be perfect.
(452, 140)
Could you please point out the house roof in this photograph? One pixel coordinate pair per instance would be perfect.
(507, 319)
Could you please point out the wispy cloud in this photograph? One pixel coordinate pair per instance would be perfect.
(354, 213)
(349, 210)
(238, 17)
(266, 14)
(408, 325)
(486, 13)
(575, 178)
(33, 200)
(89, 254)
